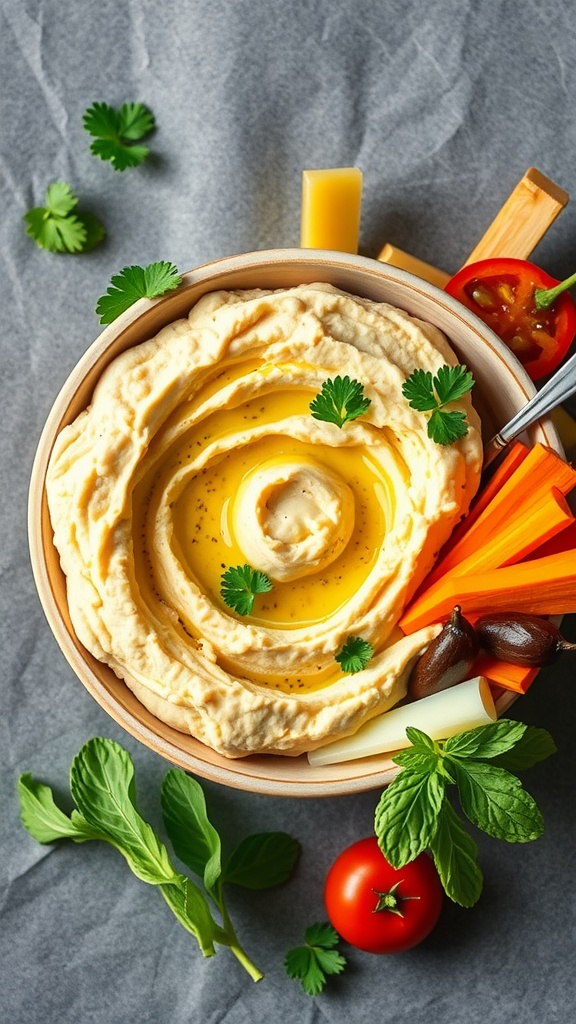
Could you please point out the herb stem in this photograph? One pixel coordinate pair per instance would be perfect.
(228, 937)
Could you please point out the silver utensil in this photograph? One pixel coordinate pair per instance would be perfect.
(555, 391)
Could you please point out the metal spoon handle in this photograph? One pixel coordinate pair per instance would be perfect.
(555, 391)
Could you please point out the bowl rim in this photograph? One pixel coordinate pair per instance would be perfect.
(342, 779)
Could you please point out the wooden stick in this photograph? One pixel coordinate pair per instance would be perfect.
(523, 220)
(520, 224)
(404, 261)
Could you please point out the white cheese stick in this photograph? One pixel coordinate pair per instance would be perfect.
(464, 706)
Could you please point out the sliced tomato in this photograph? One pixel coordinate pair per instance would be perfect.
(501, 292)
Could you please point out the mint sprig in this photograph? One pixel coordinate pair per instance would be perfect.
(102, 784)
(415, 812)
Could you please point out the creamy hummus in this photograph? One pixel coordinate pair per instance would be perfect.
(199, 453)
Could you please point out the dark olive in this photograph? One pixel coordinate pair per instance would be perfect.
(521, 639)
(447, 660)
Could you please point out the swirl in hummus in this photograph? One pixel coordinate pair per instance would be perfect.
(199, 452)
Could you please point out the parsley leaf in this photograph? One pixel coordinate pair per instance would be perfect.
(426, 393)
(339, 401)
(133, 283)
(115, 131)
(56, 228)
(312, 963)
(355, 654)
(240, 584)
(414, 812)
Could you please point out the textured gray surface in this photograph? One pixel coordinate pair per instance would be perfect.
(444, 106)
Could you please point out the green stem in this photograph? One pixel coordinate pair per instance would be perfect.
(546, 297)
(227, 937)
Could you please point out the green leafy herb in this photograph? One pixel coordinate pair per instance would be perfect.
(355, 654)
(426, 393)
(133, 283)
(312, 963)
(103, 787)
(116, 131)
(240, 584)
(339, 401)
(58, 226)
(415, 813)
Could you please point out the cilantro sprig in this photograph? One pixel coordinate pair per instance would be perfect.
(115, 133)
(340, 401)
(354, 654)
(427, 393)
(59, 226)
(241, 584)
(312, 963)
(415, 812)
(133, 283)
(102, 785)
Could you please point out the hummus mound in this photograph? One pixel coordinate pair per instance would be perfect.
(199, 453)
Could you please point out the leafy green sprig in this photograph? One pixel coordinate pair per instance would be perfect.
(133, 283)
(312, 963)
(241, 584)
(103, 788)
(354, 654)
(426, 393)
(59, 226)
(115, 133)
(340, 401)
(415, 813)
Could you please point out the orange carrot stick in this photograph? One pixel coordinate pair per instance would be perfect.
(539, 586)
(511, 677)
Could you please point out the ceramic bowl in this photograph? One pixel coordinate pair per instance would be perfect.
(502, 387)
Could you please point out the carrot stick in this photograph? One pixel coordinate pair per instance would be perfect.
(539, 471)
(511, 677)
(539, 586)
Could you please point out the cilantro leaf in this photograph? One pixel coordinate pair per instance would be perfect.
(240, 584)
(133, 283)
(426, 393)
(115, 131)
(339, 401)
(56, 228)
(312, 963)
(354, 655)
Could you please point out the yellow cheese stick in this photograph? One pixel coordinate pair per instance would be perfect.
(440, 715)
(331, 201)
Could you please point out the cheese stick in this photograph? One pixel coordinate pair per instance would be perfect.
(464, 706)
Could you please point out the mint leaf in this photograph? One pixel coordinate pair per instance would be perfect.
(196, 842)
(262, 860)
(455, 856)
(495, 801)
(44, 820)
(533, 746)
(486, 741)
(406, 817)
(102, 784)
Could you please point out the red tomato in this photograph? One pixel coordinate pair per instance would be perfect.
(378, 908)
(501, 293)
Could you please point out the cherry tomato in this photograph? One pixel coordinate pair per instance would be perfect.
(501, 293)
(378, 908)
